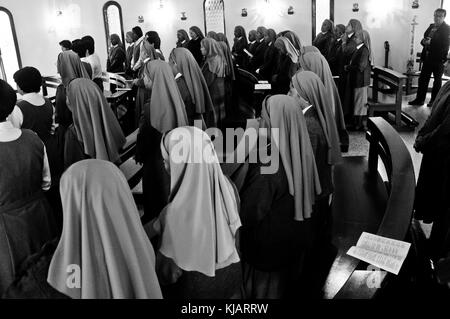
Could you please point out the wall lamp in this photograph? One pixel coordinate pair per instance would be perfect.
(291, 10)
(355, 7)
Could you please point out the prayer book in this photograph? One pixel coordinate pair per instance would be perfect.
(263, 86)
(248, 53)
(382, 252)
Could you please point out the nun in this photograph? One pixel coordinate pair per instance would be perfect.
(197, 257)
(164, 111)
(103, 242)
(240, 44)
(287, 66)
(195, 43)
(276, 209)
(214, 71)
(95, 131)
(324, 40)
(182, 39)
(117, 56)
(193, 87)
(316, 62)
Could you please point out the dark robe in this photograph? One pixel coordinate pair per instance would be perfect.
(432, 202)
(267, 70)
(116, 60)
(345, 88)
(155, 179)
(88, 68)
(258, 57)
(194, 47)
(216, 87)
(283, 74)
(324, 42)
(272, 243)
(188, 103)
(335, 57)
(129, 57)
(73, 148)
(31, 279)
(240, 57)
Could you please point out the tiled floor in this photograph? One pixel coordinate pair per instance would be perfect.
(359, 145)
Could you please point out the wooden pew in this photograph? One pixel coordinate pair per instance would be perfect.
(50, 82)
(363, 202)
(131, 170)
(394, 80)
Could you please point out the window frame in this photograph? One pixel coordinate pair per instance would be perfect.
(314, 16)
(204, 17)
(105, 21)
(14, 34)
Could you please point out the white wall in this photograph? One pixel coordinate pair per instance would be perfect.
(389, 20)
(39, 31)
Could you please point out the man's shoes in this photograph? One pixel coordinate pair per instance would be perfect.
(416, 102)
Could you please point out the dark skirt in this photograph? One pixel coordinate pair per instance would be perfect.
(155, 179)
(227, 284)
(25, 226)
(142, 96)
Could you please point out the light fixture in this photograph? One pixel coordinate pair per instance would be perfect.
(59, 13)
(244, 12)
(415, 4)
(141, 19)
(355, 7)
(291, 10)
(183, 16)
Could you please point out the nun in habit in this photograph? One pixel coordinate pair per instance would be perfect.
(432, 204)
(148, 53)
(240, 43)
(214, 72)
(197, 257)
(182, 39)
(230, 76)
(325, 38)
(163, 112)
(313, 98)
(276, 208)
(316, 62)
(288, 65)
(194, 44)
(102, 234)
(116, 56)
(95, 132)
(192, 87)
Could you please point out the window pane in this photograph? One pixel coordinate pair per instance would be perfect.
(322, 13)
(114, 22)
(8, 50)
(214, 16)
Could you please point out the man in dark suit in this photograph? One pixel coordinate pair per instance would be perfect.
(435, 49)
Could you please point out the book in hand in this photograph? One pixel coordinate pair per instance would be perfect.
(382, 252)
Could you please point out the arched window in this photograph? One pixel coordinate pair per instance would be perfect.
(214, 16)
(9, 49)
(112, 16)
(321, 10)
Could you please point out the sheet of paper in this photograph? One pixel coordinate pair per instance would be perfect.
(385, 253)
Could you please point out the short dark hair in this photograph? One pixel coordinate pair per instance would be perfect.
(89, 43)
(138, 31)
(440, 10)
(79, 48)
(28, 79)
(8, 99)
(66, 44)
